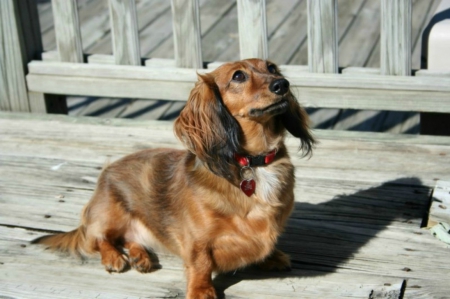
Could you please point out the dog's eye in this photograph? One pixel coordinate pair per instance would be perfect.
(239, 76)
(272, 68)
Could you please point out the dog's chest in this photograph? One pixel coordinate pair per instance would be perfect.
(267, 184)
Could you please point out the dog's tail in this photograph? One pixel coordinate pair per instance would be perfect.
(73, 242)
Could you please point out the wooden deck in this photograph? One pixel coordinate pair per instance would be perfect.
(361, 201)
(359, 29)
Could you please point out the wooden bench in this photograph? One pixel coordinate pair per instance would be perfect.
(362, 199)
(361, 202)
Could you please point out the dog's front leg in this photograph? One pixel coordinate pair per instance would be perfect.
(199, 270)
(276, 261)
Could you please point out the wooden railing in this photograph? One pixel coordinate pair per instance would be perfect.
(319, 84)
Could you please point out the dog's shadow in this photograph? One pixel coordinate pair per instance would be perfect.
(319, 238)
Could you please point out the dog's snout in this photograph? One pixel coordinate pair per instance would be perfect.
(279, 86)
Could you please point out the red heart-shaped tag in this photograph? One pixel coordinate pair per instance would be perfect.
(248, 187)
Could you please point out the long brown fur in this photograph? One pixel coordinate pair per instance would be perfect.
(188, 202)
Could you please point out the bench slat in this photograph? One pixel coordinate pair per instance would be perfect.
(252, 29)
(124, 29)
(187, 33)
(322, 36)
(67, 30)
(395, 52)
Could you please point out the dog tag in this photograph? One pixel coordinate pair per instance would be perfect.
(248, 187)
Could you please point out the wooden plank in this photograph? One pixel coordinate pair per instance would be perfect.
(440, 204)
(358, 223)
(13, 90)
(214, 41)
(432, 73)
(317, 90)
(101, 59)
(93, 17)
(67, 30)
(347, 13)
(88, 278)
(124, 31)
(148, 13)
(395, 40)
(37, 102)
(361, 71)
(281, 15)
(322, 36)
(187, 34)
(107, 87)
(212, 11)
(296, 78)
(252, 29)
(289, 35)
(160, 62)
(45, 16)
(50, 56)
(371, 225)
(362, 36)
(420, 12)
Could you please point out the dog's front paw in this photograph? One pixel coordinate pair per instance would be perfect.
(201, 293)
(277, 261)
(114, 262)
(140, 260)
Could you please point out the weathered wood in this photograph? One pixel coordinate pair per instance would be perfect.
(187, 34)
(361, 71)
(67, 30)
(316, 90)
(395, 40)
(37, 102)
(87, 279)
(357, 46)
(124, 31)
(354, 195)
(322, 36)
(160, 62)
(289, 35)
(212, 11)
(150, 15)
(252, 29)
(13, 90)
(440, 204)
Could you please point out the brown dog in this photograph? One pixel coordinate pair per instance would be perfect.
(220, 205)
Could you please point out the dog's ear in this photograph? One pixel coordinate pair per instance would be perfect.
(296, 121)
(207, 129)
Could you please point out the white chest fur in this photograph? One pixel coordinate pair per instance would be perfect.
(267, 184)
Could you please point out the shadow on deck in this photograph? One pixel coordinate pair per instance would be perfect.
(325, 238)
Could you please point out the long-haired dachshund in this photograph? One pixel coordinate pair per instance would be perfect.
(221, 204)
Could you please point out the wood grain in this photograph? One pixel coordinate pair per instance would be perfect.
(13, 91)
(67, 30)
(313, 89)
(322, 36)
(252, 29)
(124, 32)
(361, 194)
(395, 40)
(187, 34)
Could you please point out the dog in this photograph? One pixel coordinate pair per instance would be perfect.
(221, 204)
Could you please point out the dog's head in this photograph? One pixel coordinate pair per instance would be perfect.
(230, 109)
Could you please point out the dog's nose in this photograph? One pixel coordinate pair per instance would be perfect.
(279, 86)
